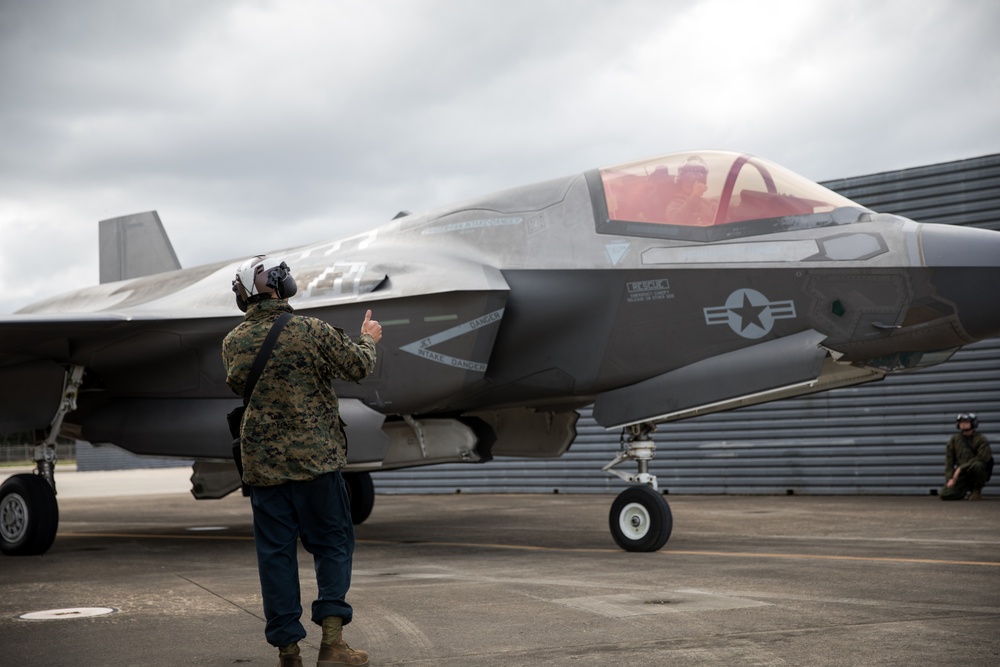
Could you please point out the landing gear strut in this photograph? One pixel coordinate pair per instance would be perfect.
(640, 519)
(29, 514)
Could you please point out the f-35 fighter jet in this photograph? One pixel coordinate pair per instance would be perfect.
(656, 290)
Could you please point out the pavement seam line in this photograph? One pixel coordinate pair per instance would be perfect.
(221, 597)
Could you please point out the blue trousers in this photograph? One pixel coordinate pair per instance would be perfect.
(318, 512)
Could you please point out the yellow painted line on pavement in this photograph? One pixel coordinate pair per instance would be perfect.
(525, 547)
(668, 552)
(866, 559)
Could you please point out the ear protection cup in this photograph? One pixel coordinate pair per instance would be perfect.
(280, 279)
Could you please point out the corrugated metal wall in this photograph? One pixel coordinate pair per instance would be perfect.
(886, 437)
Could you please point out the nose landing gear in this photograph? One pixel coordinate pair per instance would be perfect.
(640, 519)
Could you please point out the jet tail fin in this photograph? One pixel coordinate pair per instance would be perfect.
(133, 246)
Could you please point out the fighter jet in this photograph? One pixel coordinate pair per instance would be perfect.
(656, 290)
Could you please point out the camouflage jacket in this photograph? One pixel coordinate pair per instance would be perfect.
(292, 428)
(958, 455)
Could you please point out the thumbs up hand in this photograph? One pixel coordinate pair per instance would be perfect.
(371, 327)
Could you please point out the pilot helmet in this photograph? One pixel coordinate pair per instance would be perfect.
(259, 277)
(967, 417)
(693, 169)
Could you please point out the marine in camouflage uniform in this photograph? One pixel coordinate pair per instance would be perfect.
(967, 460)
(293, 447)
(291, 429)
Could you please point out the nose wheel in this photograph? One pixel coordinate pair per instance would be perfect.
(640, 518)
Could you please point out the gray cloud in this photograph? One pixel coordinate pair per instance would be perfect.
(253, 125)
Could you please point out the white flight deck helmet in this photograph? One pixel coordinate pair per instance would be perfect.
(967, 417)
(259, 277)
(693, 169)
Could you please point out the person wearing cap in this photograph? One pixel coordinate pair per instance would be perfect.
(293, 446)
(968, 461)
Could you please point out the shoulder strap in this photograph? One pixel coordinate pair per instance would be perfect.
(263, 355)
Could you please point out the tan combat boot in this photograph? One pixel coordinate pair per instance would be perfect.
(288, 656)
(334, 651)
(976, 495)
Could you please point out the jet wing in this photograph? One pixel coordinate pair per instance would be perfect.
(151, 345)
(123, 355)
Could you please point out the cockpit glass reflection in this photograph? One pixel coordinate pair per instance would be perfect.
(711, 188)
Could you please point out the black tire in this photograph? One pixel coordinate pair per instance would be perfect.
(640, 519)
(29, 515)
(361, 494)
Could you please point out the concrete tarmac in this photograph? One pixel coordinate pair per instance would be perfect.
(511, 580)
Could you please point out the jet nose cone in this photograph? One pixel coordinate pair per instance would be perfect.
(965, 264)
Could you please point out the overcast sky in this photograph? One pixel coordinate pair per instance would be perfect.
(256, 125)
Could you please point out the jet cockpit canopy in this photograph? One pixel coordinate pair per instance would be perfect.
(703, 189)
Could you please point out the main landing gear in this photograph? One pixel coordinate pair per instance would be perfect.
(360, 494)
(640, 519)
(29, 514)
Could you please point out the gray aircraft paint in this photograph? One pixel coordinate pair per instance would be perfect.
(590, 306)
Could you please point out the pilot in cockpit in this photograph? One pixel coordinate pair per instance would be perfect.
(689, 206)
